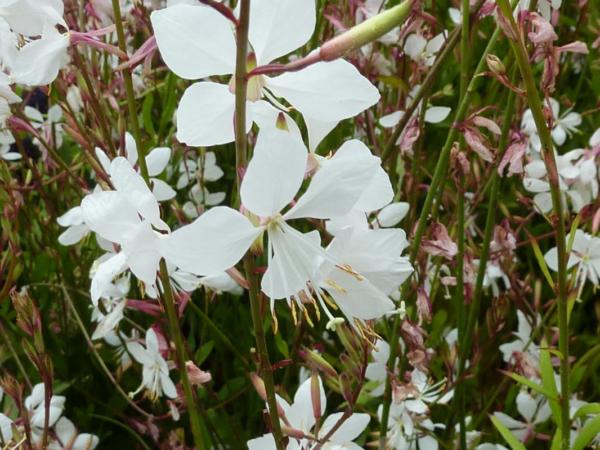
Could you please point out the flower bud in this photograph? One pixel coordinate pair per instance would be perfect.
(317, 362)
(495, 64)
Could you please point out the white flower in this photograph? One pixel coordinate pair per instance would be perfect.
(155, 369)
(377, 370)
(6, 433)
(125, 217)
(198, 42)
(156, 161)
(562, 126)
(423, 51)
(534, 411)
(50, 128)
(35, 404)
(433, 114)
(109, 320)
(421, 392)
(300, 416)
(220, 237)
(523, 341)
(120, 342)
(585, 254)
(204, 169)
(69, 439)
(576, 181)
(407, 431)
(368, 269)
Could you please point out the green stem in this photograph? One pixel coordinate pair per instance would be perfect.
(459, 295)
(241, 152)
(535, 104)
(167, 293)
(438, 176)
(180, 353)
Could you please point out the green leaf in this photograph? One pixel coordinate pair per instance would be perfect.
(282, 345)
(589, 431)
(541, 261)
(549, 383)
(511, 440)
(530, 384)
(589, 409)
(203, 352)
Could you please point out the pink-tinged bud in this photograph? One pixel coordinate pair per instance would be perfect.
(423, 305)
(596, 222)
(281, 123)
(441, 244)
(506, 26)
(259, 385)
(365, 32)
(315, 395)
(543, 31)
(196, 375)
(316, 361)
(495, 64)
(293, 432)
(488, 124)
(346, 387)
(476, 142)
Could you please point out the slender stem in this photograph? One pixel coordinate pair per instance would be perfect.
(535, 104)
(128, 81)
(241, 152)
(459, 295)
(438, 176)
(180, 353)
(169, 301)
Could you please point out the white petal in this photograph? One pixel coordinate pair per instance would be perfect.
(39, 61)
(275, 172)
(214, 242)
(265, 442)
(338, 184)
(526, 405)
(161, 190)
(105, 273)
(356, 296)
(559, 135)
(168, 386)
(436, 114)
(65, 430)
(73, 216)
(109, 214)
(326, 91)
(73, 234)
(131, 152)
(205, 115)
(194, 41)
(391, 120)
(351, 428)
(300, 413)
(415, 45)
(29, 17)
(157, 160)
(317, 130)
(266, 116)
(131, 185)
(392, 214)
(143, 256)
(293, 263)
(85, 441)
(278, 28)
(378, 193)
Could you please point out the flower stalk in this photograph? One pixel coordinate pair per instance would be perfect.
(535, 104)
(241, 152)
(167, 293)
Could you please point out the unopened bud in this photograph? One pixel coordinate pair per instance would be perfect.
(315, 395)
(259, 385)
(495, 64)
(316, 361)
(368, 31)
(346, 387)
(281, 123)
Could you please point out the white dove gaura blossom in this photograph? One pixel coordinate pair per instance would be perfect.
(301, 416)
(535, 411)
(67, 437)
(221, 236)
(125, 216)
(523, 341)
(76, 229)
(155, 376)
(35, 404)
(197, 42)
(157, 160)
(377, 369)
(576, 178)
(585, 254)
(562, 127)
(422, 50)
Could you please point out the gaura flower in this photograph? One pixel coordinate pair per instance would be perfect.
(422, 50)
(68, 438)
(585, 254)
(220, 237)
(534, 411)
(197, 42)
(35, 404)
(155, 369)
